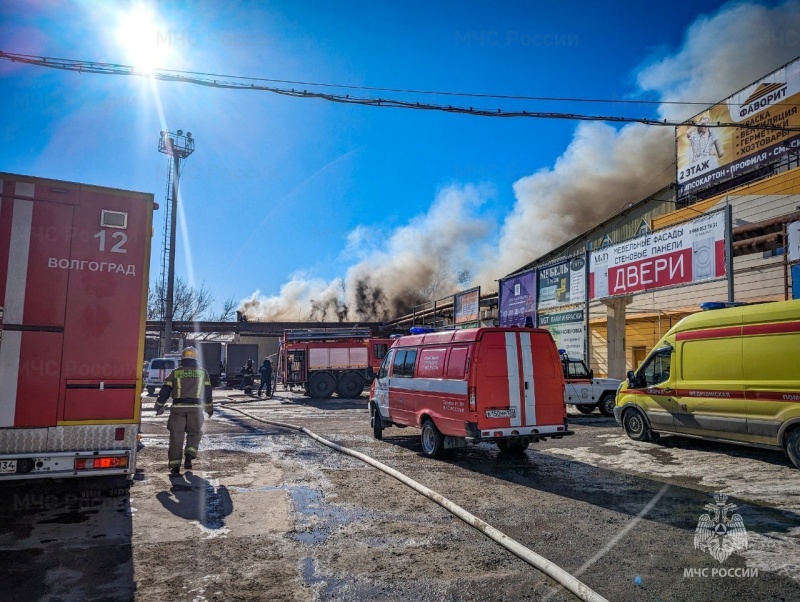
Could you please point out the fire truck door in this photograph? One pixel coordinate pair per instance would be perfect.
(35, 241)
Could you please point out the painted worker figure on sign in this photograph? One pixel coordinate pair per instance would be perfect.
(189, 385)
(706, 146)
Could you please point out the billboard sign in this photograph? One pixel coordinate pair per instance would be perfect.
(796, 282)
(466, 306)
(707, 156)
(687, 253)
(568, 329)
(793, 241)
(518, 299)
(561, 284)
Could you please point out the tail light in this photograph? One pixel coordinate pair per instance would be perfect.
(101, 462)
(473, 404)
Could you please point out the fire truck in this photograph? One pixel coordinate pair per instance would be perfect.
(325, 361)
(74, 261)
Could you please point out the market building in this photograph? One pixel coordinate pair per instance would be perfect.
(728, 230)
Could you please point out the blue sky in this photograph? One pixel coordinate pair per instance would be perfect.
(285, 190)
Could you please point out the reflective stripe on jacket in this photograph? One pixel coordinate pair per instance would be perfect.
(188, 386)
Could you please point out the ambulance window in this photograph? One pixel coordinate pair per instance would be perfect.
(408, 365)
(657, 368)
(399, 360)
(384, 370)
(404, 363)
(456, 363)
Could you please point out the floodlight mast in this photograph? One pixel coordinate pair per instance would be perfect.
(177, 147)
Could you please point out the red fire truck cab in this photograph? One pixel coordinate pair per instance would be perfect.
(501, 385)
(325, 361)
(74, 265)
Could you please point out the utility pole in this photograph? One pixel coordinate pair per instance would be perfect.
(177, 147)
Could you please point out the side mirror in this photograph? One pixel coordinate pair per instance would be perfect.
(631, 378)
(591, 374)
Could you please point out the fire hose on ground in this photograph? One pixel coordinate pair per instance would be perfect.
(571, 583)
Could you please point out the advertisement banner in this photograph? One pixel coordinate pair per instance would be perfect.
(568, 329)
(707, 156)
(796, 282)
(683, 254)
(793, 241)
(518, 299)
(466, 306)
(561, 284)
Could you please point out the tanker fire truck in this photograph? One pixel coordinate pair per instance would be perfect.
(325, 361)
(74, 263)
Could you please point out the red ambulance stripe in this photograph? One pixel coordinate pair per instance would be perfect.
(710, 333)
(777, 328)
(735, 331)
(724, 395)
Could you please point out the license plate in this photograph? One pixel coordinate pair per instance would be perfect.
(509, 413)
(8, 466)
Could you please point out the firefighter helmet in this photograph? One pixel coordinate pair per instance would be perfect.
(190, 353)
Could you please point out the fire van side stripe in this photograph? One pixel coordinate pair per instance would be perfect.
(18, 250)
(430, 385)
(14, 305)
(527, 372)
(9, 375)
(512, 361)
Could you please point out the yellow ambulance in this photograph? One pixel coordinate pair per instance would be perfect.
(728, 373)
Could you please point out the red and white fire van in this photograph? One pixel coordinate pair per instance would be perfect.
(499, 385)
(74, 265)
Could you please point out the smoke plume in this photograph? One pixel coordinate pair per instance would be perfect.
(394, 271)
(601, 170)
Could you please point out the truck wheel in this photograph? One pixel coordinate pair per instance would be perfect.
(377, 426)
(793, 446)
(585, 408)
(350, 385)
(607, 403)
(635, 426)
(321, 385)
(151, 391)
(512, 446)
(432, 440)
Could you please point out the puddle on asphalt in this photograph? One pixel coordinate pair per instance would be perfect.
(316, 518)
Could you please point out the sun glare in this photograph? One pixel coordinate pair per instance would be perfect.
(144, 43)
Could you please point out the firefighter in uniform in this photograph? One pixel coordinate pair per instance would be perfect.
(189, 385)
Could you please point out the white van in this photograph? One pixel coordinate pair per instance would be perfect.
(157, 371)
(586, 392)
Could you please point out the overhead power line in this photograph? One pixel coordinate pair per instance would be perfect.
(230, 82)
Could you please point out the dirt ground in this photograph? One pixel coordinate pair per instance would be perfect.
(268, 513)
